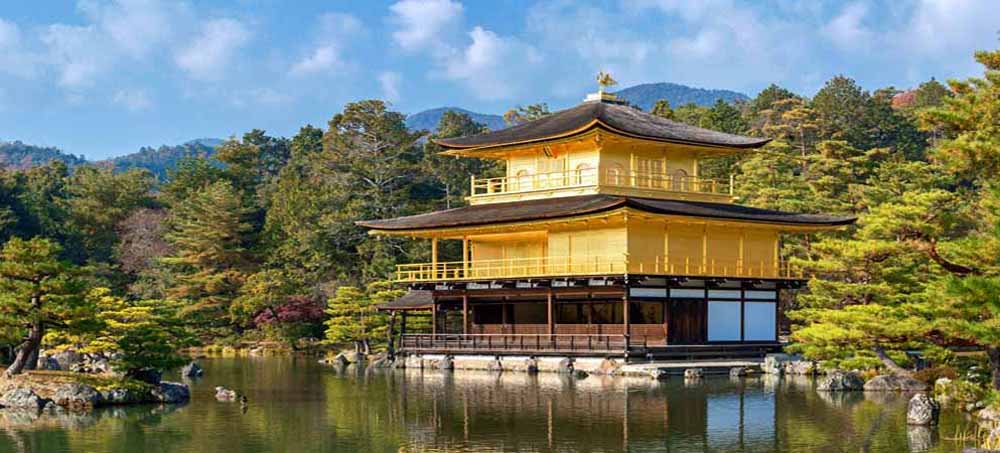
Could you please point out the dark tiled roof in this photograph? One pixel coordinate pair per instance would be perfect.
(412, 300)
(616, 116)
(552, 208)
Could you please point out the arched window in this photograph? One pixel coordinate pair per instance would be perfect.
(521, 181)
(679, 180)
(616, 175)
(583, 175)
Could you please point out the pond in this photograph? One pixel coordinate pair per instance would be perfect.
(298, 405)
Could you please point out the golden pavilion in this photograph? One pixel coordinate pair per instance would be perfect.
(600, 239)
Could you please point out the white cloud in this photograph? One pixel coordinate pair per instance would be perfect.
(390, 83)
(847, 30)
(210, 53)
(423, 24)
(15, 59)
(335, 30)
(133, 100)
(492, 66)
(76, 52)
(323, 59)
(137, 27)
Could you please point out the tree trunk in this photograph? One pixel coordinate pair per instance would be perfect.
(390, 332)
(994, 353)
(27, 351)
(890, 364)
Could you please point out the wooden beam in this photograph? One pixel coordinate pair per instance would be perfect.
(434, 256)
(465, 256)
(465, 314)
(627, 330)
(434, 319)
(551, 312)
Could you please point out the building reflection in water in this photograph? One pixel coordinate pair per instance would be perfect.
(473, 410)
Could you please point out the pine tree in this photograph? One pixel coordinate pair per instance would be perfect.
(662, 109)
(208, 232)
(38, 291)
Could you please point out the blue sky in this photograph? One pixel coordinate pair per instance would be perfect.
(102, 78)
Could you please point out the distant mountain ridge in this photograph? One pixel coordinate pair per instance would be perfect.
(18, 155)
(429, 119)
(643, 96)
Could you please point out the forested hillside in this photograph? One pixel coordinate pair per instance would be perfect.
(265, 246)
(163, 159)
(18, 155)
(645, 95)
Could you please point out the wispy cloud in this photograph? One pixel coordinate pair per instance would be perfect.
(390, 83)
(211, 51)
(134, 100)
(335, 32)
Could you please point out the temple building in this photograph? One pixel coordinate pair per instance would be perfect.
(601, 239)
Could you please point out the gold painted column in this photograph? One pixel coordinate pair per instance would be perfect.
(465, 257)
(434, 258)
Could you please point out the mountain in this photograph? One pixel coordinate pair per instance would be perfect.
(159, 160)
(645, 95)
(429, 119)
(19, 155)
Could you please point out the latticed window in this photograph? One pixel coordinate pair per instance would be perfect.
(650, 173)
(582, 175)
(616, 175)
(679, 180)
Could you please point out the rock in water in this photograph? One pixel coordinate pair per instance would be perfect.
(495, 366)
(893, 383)
(737, 371)
(841, 381)
(531, 365)
(800, 367)
(172, 392)
(22, 398)
(77, 396)
(775, 363)
(659, 374)
(192, 370)
(565, 366)
(224, 394)
(693, 373)
(608, 366)
(922, 410)
(120, 396)
(446, 363)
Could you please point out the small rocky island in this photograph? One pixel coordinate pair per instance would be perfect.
(70, 381)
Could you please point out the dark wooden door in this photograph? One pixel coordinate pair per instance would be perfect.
(686, 323)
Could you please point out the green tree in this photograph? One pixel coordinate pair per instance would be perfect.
(371, 164)
(38, 291)
(98, 199)
(662, 109)
(766, 99)
(524, 114)
(209, 235)
(354, 319)
(451, 173)
(145, 334)
(692, 114)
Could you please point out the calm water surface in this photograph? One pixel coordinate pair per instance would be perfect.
(298, 405)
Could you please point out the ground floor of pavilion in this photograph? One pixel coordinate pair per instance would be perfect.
(653, 317)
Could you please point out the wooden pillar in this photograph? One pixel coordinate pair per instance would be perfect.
(434, 319)
(465, 314)
(551, 312)
(402, 323)
(465, 257)
(434, 257)
(627, 329)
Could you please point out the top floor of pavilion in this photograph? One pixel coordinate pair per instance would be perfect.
(601, 146)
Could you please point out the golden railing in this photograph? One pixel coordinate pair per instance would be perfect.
(592, 177)
(593, 266)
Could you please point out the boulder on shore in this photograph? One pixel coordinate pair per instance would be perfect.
(775, 363)
(66, 359)
(22, 398)
(841, 381)
(76, 396)
(894, 383)
(922, 410)
(192, 370)
(800, 368)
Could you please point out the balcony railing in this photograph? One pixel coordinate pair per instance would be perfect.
(592, 177)
(561, 266)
